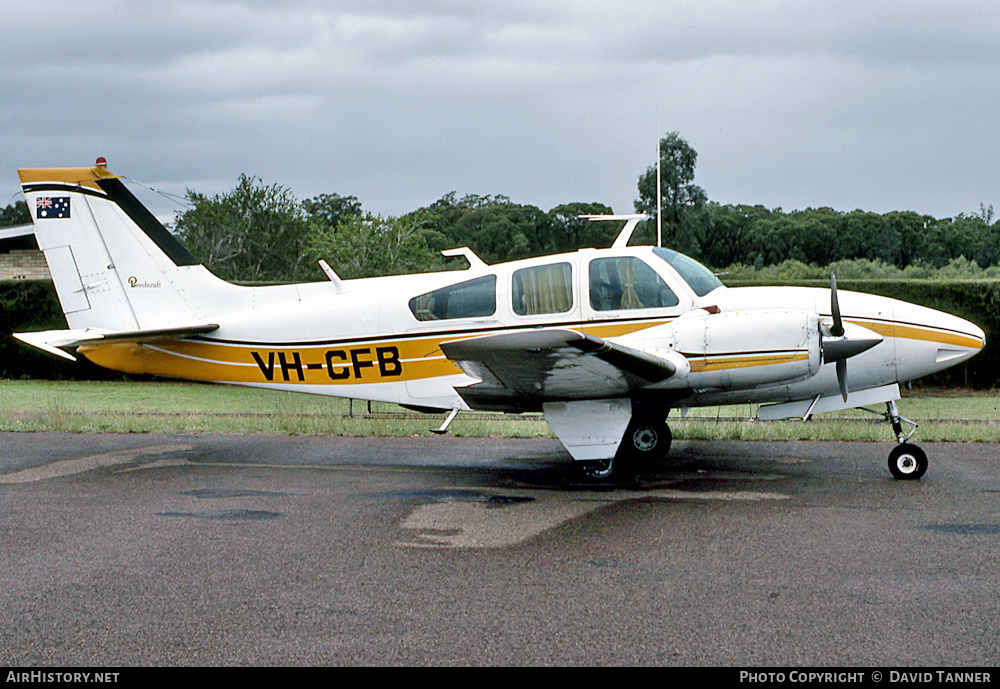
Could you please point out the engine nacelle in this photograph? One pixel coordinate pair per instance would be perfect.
(738, 350)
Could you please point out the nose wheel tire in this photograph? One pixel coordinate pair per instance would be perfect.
(907, 462)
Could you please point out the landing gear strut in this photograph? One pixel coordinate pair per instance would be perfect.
(906, 461)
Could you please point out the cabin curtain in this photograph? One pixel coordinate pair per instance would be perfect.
(545, 289)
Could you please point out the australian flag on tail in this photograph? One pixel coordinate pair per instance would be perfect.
(47, 207)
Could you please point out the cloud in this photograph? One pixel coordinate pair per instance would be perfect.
(881, 105)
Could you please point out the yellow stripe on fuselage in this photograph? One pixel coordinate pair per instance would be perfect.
(345, 363)
(330, 364)
(721, 363)
(914, 332)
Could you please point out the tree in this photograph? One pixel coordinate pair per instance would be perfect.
(506, 231)
(15, 214)
(685, 218)
(369, 245)
(332, 209)
(571, 232)
(496, 229)
(254, 233)
(729, 233)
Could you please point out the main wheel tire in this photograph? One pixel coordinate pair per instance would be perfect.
(907, 462)
(646, 440)
(598, 471)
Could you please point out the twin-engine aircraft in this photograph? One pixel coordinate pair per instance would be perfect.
(604, 342)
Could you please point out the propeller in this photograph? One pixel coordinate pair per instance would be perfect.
(838, 331)
(841, 342)
(842, 377)
(838, 324)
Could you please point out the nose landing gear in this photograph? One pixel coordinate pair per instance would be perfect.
(906, 461)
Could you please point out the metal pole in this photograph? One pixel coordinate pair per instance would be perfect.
(659, 185)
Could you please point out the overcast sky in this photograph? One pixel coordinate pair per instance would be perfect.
(871, 104)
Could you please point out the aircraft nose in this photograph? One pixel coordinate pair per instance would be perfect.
(976, 332)
(941, 328)
(928, 340)
(974, 337)
(957, 339)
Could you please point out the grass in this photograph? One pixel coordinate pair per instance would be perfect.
(170, 407)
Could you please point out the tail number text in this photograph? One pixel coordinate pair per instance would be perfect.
(340, 364)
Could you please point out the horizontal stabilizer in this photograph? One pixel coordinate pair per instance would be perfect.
(18, 231)
(53, 341)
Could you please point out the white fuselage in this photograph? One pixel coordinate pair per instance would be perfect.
(366, 342)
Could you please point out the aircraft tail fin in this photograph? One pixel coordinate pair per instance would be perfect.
(116, 268)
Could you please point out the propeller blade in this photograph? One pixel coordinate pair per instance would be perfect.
(842, 377)
(838, 324)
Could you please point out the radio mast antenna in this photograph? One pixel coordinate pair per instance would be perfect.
(659, 188)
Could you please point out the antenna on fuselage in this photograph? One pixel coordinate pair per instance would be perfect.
(338, 284)
(468, 254)
(626, 233)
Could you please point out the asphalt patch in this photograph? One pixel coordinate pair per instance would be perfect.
(455, 495)
(227, 515)
(965, 529)
(232, 493)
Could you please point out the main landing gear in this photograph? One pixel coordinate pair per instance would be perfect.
(906, 461)
(647, 439)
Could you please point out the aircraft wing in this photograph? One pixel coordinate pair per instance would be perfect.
(53, 341)
(523, 369)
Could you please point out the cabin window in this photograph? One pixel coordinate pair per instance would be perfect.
(470, 299)
(699, 278)
(627, 283)
(543, 289)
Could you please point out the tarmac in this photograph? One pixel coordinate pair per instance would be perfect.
(208, 550)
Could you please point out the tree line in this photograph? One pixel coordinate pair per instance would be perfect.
(260, 232)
